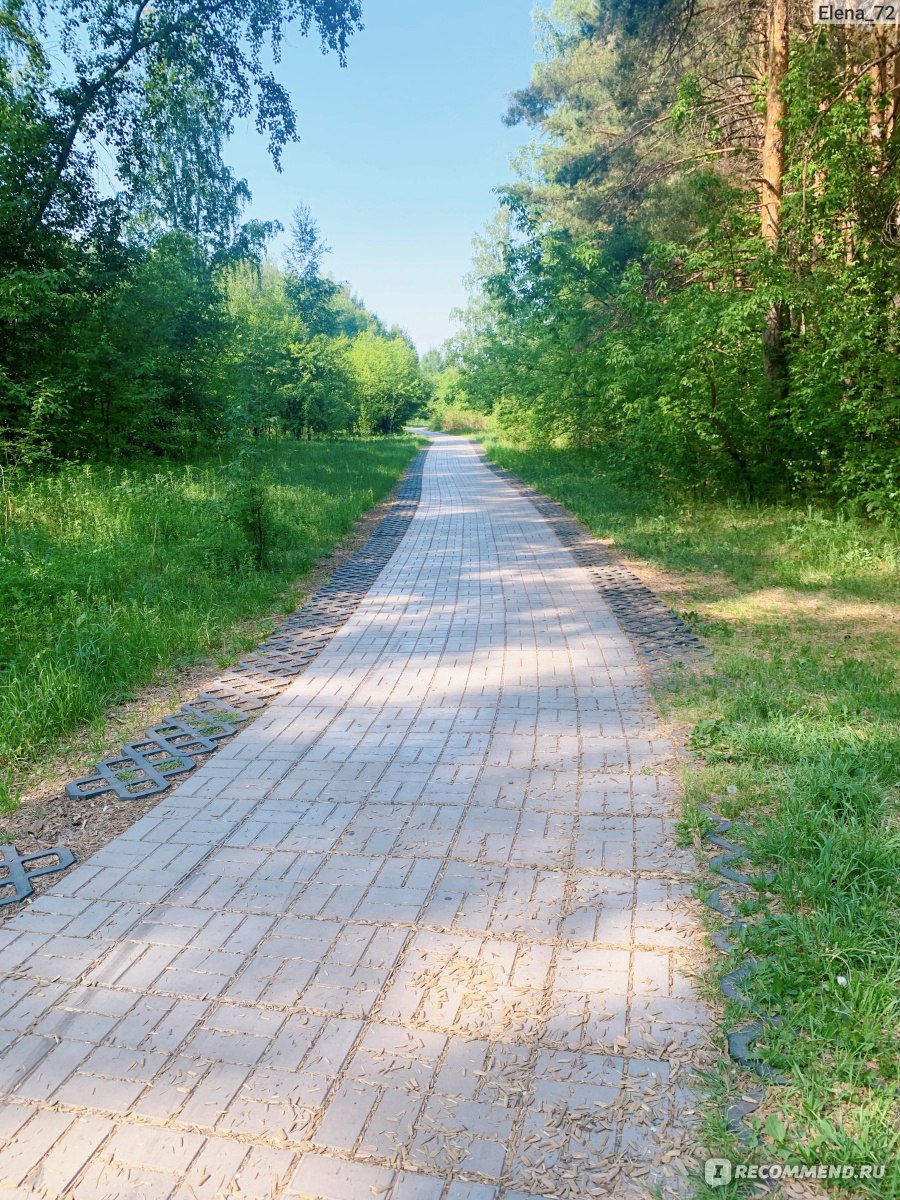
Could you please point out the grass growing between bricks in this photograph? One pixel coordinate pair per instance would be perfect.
(111, 577)
(796, 728)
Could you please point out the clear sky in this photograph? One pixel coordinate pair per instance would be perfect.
(400, 150)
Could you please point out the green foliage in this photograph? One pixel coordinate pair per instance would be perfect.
(110, 574)
(284, 378)
(146, 321)
(116, 74)
(455, 418)
(389, 384)
(449, 406)
(622, 298)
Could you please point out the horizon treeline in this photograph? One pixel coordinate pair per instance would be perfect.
(139, 314)
(696, 273)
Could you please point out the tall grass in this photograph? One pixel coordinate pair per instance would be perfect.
(797, 731)
(108, 574)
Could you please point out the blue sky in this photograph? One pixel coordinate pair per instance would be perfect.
(400, 150)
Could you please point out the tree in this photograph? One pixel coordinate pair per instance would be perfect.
(312, 295)
(322, 398)
(265, 328)
(389, 385)
(772, 175)
(173, 167)
(221, 45)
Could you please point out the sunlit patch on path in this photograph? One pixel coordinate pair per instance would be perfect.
(420, 932)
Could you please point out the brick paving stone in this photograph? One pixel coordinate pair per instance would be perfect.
(20, 1058)
(421, 931)
(217, 1169)
(150, 1146)
(12, 1118)
(302, 1089)
(28, 1002)
(345, 1115)
(319, 1177)
(92, 1093)
(31, 1145)
(103, 1178)
(53, 1070)
(210, 1098)
(172, 1088)
(59, 1167)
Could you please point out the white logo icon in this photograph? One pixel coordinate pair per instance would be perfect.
(717, 1172)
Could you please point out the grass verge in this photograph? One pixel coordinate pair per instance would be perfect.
(796, 728)
(109, 576)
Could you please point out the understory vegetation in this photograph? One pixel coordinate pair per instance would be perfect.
(796, 731)
(109, 573)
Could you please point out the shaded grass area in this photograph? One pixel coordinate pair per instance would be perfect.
(108, 575)
(797, 731)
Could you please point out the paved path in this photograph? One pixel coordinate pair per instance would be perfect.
(412, 935)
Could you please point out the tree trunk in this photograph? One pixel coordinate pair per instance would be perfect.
(773, 184)
(776, 111)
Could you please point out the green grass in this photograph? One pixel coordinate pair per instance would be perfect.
(797, 730)
(108, 575)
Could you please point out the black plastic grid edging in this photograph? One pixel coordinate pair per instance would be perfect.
(169, 751)
(659, 635)
(742, 1040)
(16, 877)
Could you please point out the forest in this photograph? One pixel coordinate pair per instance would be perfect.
(147, 319)
(696, 272)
